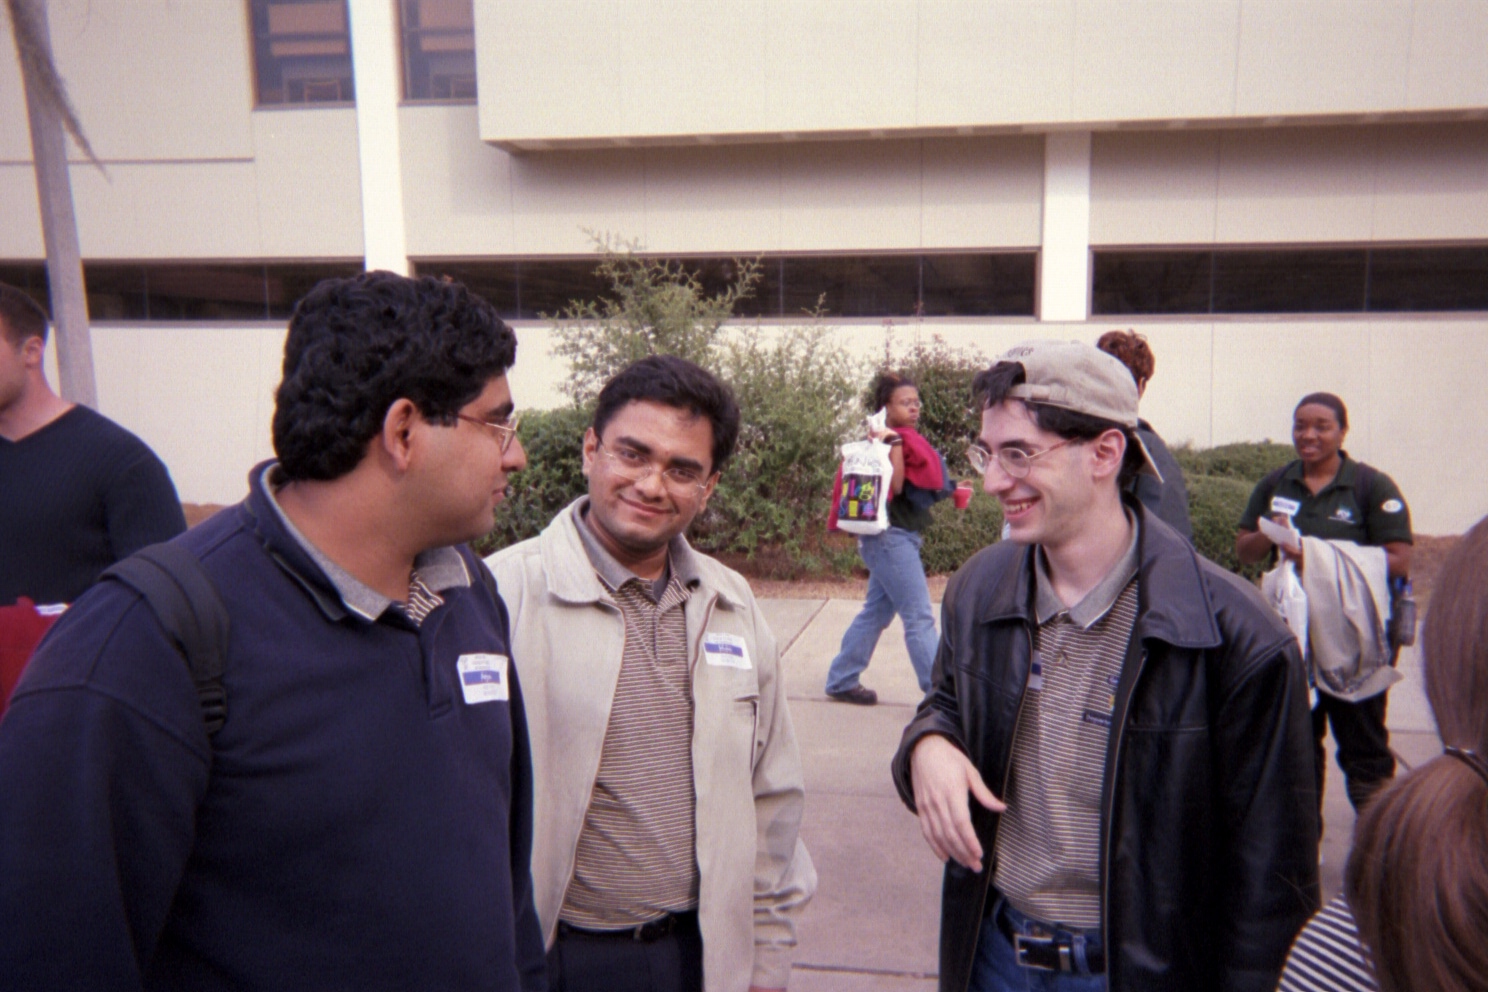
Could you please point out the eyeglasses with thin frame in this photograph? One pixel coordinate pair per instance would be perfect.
(1016, 462)
(503, 434)
(632, 466)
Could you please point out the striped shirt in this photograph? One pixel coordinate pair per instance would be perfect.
(1048, 841)
(636, 857)
(1328, 956)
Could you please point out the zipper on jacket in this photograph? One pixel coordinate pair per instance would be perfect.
(1001, 792)
(1119, 728)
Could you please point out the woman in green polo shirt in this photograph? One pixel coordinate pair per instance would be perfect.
(1327, 494)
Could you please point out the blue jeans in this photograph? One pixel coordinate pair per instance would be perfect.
(996, 969)
(896, 584)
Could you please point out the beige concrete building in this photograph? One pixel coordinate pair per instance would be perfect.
(1284, 195)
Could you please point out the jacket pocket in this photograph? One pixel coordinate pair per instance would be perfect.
(746, 714)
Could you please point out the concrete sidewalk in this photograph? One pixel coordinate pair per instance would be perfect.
(874, 923)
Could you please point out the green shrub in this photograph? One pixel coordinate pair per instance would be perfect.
(553, 478)
(1247, 461)
(1215, 503)
(795, 397)
(654, 307)
(956, 535)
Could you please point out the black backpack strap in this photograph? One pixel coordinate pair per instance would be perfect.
(185, 601)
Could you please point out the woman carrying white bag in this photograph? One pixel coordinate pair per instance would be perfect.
(888, 485)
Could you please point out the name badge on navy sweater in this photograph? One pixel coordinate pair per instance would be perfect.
(727, 650)
(483, 678)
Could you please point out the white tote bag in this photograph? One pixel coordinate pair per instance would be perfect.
(863, 494)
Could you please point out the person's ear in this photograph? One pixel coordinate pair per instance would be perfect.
(397, 432)
(1107, 453)
(33, 352)
(708, 488)
(591, 450)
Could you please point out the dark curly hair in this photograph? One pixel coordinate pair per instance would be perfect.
(882, 389)
(674, 382)
(358, 345)
(993, 386)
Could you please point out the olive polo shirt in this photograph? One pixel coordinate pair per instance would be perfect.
(1334, 513)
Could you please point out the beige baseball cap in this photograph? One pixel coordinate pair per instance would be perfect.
(1079, 377)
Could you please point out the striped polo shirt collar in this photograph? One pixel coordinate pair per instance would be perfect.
(1098, 601)
(438, 568)
(681, 559)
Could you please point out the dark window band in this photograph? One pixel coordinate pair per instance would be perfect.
(966, 284)
(1400, 279)
(185, 291)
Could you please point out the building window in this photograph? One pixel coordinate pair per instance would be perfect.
(951, 284)
(194, 291)
(1438, 279)
(302, 51)
(438, 49)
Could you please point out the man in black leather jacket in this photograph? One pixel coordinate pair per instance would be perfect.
(1141, 710)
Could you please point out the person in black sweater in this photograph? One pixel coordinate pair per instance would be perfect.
(77, 491)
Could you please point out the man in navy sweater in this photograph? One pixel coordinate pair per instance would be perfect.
(362, 820)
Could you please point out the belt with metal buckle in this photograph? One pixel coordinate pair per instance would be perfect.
(1050, 949)
(646, 933)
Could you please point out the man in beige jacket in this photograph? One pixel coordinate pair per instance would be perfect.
(668, 792)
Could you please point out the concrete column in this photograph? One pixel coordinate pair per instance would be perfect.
(1064, 270)
(374, 53)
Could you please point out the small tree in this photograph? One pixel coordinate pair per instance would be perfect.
(655, 307)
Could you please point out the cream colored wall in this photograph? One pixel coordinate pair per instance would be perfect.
(1398, 182)
(152, 80)
(580, 70)
(202, 395)
(295, 195)
(164, 89)
(463, 197)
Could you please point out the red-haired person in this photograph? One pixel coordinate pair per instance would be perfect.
(1166, 497)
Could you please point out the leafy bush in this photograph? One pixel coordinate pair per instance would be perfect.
(1248, 461)
(553, 478)
(655, 307)
(1215, 503)
(956, 535)
(795, 398)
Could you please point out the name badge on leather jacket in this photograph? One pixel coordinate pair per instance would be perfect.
(483, 678)
(727, 650)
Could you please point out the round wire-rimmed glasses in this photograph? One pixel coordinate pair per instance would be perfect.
(632, 466)
(503, 434)
(1016, 462)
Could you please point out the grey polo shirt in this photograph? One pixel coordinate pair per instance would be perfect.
(1048, 841)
